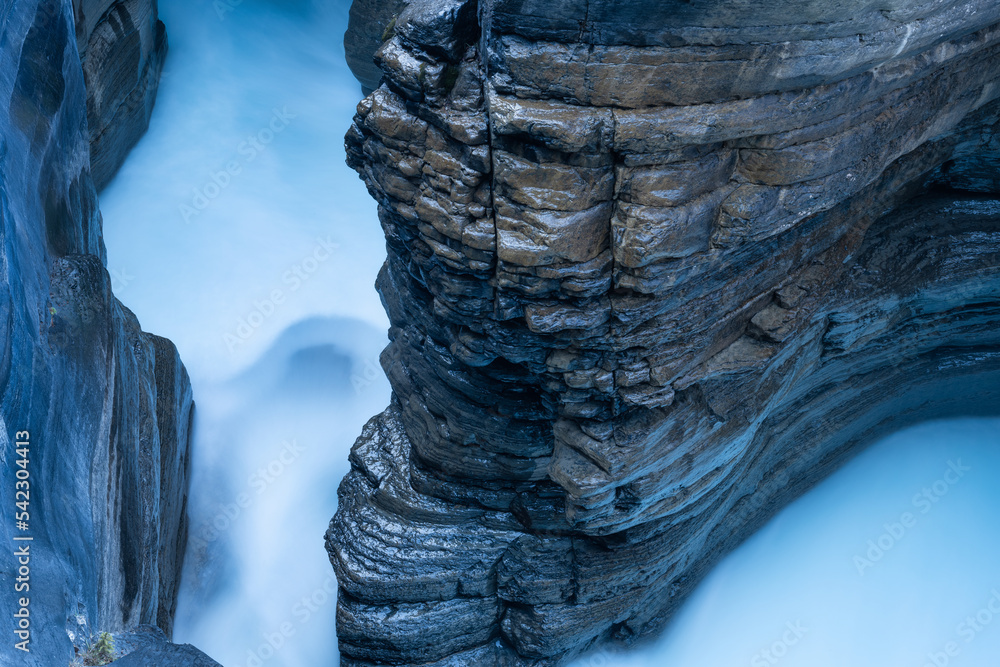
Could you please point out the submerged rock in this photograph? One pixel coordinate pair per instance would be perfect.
(654, 270)
(99, 411)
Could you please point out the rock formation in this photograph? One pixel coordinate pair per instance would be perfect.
(107, 407)
(147, 646)
(122, 47)
(654, 269)
(370, 23)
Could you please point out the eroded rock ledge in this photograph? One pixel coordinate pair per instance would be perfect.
(654, 269)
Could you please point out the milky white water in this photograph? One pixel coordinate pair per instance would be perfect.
(891, 562)
(236, 230)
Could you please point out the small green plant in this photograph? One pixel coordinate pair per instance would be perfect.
(390, 30)
(99, 652)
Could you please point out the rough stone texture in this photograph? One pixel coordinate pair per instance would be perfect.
(167, 655)
(108, 406)
(122, 47)
(654, 269)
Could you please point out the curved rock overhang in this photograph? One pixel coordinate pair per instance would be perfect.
(123, 47)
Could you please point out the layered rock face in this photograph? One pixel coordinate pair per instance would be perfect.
(654, 269)
(105, 408)
(122, 46)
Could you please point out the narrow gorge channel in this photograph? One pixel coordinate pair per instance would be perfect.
(236, 229)
(652, 333)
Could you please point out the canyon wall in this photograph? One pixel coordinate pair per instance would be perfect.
(654, 269)
(122, 45)
(107, 407)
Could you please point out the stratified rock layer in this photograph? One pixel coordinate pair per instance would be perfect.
(107, 406)
(654, 269)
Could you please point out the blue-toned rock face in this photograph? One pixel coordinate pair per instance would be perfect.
(104, 408)
(654, 270)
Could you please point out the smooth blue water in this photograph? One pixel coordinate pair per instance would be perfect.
(290, 234)
(258, 261)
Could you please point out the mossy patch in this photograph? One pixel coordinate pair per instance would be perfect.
(390, 30)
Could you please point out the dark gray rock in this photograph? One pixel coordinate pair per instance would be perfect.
(167, 655)
(108, 406)
(371, 23)
(147, 646)
(123, 45)
(654, 270)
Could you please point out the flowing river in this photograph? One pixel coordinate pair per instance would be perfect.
(236, 230)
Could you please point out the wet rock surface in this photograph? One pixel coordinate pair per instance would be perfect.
(108, 407)
(371, 23)
(123, 45)
(654, 269)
